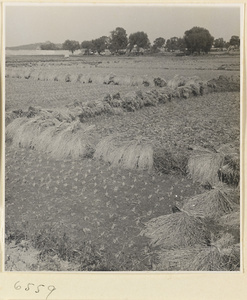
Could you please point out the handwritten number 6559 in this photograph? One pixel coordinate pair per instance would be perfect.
(50, 288)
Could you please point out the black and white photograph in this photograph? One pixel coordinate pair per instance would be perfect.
(122, 137)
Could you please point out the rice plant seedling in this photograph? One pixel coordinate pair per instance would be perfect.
(133, 154)
(212, 203)
(176, 230)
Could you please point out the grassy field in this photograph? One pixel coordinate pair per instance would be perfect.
(81, 214)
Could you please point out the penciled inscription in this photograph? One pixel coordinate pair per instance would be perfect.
(30, 287)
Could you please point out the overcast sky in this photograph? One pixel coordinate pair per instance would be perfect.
(32, 24)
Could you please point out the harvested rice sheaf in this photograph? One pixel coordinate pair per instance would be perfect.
(58, 139)
(212, 203)
(160, 82)
(176, 82)
(176, 230)
(231, 220)
(230, 170)
(200, 258)
(203, 166)
(23, 132)
(73, 141)
(208, 167)
(134, 154)
(224, 84)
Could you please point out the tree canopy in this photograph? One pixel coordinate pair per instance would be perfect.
(235, 41)
(158, 43)
(49, 46)
(118, 39)
(140, 39)
(87, 45)
(71, 45)
(198, 39)
(100, 44)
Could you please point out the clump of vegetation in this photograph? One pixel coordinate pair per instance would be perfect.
(119, 152)
(209, 167)
(168, 161)
(200, 258)
(176, 230)
(213, 203)
(58, 139)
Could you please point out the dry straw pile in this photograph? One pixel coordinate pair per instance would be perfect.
(209, 167)
(120, 152)
(203, 166)
(201, 258)
(176, 230)
(54, 133)
(212, 204)
(231, 220)
(186, 239)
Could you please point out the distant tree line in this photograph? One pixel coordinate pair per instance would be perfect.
(196, 40)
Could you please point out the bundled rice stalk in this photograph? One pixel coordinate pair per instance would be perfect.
(37, 111)
(150, 98)
(184, 92)
(46, 137)
(176, 82)
(60, 76)
(131, 155)
(42, 76)
(223, 84)
(74, 77)
(27, 74)
(73, 141)
(35, 74)
(51, 75)
(133, 101)
(123, 80)
(146, 81)
(64, 114)
(224, 255)
(109, 79)
(84, 78)
(117, 80)
(196, 258)
(203, 166)
(176, 230)
(213, 203)
(160, 82)
(136, 81)
(16, 73)
(231, 257)
(170, 161)
(13, 128)
(231, 220)
(23, 132)
(67, 78)
(98, 79)
(230, 170)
